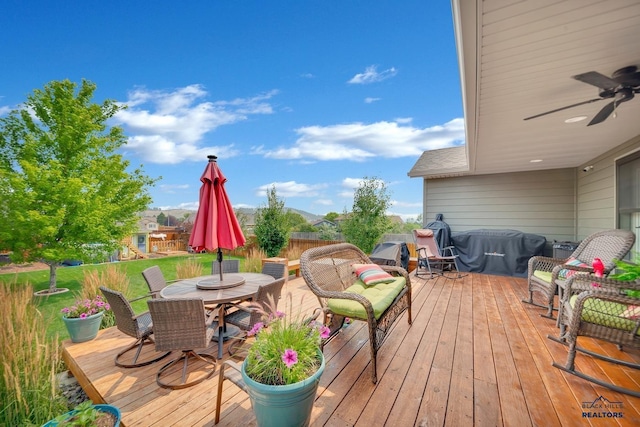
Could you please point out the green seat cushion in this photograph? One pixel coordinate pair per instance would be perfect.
(543, 275)
(380, 295)
(605, 313)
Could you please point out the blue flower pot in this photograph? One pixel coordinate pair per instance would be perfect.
(283, 405)
(100, 407)
(81, 330)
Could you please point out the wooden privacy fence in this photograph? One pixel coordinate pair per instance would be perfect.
(297, 246)
(159, 245)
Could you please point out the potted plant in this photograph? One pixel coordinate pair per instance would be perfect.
(84, 317)
(283, 367)
(87, 414)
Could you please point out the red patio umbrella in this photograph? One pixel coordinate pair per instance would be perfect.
(216, 225)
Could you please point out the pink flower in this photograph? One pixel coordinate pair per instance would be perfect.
(290, 357)
(256, 328)
(83, 315)
(325, 332)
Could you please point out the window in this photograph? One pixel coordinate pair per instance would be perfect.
(628, 196)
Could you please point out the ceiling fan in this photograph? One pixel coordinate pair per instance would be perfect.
(620, 87)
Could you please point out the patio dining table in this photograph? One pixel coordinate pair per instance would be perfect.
(249, 283)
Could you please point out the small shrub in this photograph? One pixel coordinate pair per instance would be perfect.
(28, 389)
(189, 268)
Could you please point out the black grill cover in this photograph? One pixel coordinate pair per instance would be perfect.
(441, 232)
(391, 253)
(501, 252)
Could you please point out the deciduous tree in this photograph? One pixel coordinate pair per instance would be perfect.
(367, 221)
(64, 188)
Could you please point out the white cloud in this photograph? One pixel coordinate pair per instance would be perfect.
(168, 127)
(307, 75)
(359, 141)
(173, 188)
(4, 110)
(191, 206)
(404, 120)
(400, 204)
(371, 75)
(369, 100)
(323, 202)
(291, 189)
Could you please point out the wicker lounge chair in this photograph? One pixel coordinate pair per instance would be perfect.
(328, 272)
(545, 274)
(228, 266)
(599, 308)
(429, 256)
(181, 324)
(138, 326)
(246, 316)
(155, 280)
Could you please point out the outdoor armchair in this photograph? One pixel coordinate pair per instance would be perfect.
(138, 326)
(329, 273)
(182, 325)
(545, 274)
(605, 309)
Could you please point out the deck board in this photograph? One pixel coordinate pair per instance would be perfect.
(475, 355)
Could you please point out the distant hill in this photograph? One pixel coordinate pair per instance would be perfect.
(249, 212)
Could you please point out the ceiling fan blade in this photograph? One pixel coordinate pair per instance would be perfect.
(603, 114)
(564, 108)
(596, 79)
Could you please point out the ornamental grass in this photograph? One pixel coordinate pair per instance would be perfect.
(29, 361)
(188, 269)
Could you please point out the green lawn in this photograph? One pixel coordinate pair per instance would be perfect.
(70, 277)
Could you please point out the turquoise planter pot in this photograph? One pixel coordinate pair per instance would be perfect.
(100, 407)
(81, 330)
(283, 405)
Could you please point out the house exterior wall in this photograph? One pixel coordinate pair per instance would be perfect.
(596, 190)
(538, 202)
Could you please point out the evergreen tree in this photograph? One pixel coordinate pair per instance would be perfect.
(272, 225)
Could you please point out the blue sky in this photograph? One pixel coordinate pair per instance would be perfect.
(309, 96)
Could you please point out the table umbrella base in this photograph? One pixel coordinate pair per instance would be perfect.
(228, 281)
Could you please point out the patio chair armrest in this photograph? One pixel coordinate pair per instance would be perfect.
(398, 271)
(588, 282)
(140, 297)
(543, 263)
(555, 273)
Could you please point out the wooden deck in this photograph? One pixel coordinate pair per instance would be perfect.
(475, 355)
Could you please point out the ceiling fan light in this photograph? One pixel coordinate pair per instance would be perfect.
(575, 119)
(535, 161)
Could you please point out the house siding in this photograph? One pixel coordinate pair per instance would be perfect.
(538, 202)
(596, 190)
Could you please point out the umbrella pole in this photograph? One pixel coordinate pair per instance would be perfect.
(220, 262)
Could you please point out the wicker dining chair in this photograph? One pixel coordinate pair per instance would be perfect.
(275, 269)
(228, 266)
(328, 272)
(545, 274)
(182, 325)
(155, 280)
(138, 326)
(247, 315)
(601, 308)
